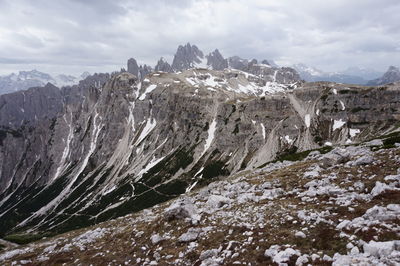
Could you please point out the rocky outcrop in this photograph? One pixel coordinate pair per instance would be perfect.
(144, 70)
(163, 66)
(216, 61)
(237, 63)
(133, 67)
(391, 75)
(108, 149)
(342, 215)
(186, 57)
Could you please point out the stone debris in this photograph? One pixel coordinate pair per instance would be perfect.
(268, 212)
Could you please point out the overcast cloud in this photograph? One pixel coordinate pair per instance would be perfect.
(72, 36)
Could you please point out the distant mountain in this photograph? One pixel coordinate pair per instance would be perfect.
(34, 78)
(365, 73)
(190, 56)
(391, 75)
(313, 74)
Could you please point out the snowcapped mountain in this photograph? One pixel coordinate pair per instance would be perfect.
(121, 143)
(190, 56)
(27, 79)
(352, 75)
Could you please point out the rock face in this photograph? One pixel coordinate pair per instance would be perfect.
(109, 146)
(216, 61)
(163, 66)
(391, 75)
(237, 63)
(133, 67)
(331, 218)
(186, 57)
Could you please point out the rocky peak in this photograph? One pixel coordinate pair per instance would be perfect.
(163, 65)
(133, 67)
(144, 70)
(265, 62)
(186, 57)
(237, 63)
(216, 60)
(391, 75)
(85, 75)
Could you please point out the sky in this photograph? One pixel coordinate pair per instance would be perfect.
(73, 36)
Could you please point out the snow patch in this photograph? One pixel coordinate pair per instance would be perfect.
(148, 90)
(338, 124)
(307, 120)
(210, 138)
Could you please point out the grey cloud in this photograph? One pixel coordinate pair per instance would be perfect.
(70, 35)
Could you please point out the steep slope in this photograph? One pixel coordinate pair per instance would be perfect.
(391, 75)
(337, 208)
(124, 146)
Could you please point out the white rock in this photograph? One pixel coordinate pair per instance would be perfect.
(208, 254)
(354, 251)
(379, 189)
(181, 209)
(300, 234)
(303, 259)
(364, 160)
(191, 235)
(216, 201)
(375, 142)
(380, 249)
(343, 224)
(155, 239)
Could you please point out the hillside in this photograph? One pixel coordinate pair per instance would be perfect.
(337, 207)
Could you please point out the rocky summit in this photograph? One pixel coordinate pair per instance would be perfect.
(230, 162)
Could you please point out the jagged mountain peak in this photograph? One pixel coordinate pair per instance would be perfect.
(187, 56)
(163, 66)
(216, 61)
(133, 67)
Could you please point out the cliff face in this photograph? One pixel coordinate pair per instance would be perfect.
(108, 147)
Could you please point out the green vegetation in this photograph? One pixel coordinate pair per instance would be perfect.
(215, 169)
(390, 140)
(23, 238)
(292, 155)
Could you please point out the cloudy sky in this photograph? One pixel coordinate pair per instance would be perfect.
(72, 36)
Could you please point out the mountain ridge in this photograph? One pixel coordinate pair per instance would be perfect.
(115, 145)
(34, 78)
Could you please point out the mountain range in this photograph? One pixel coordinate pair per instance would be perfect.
(353, 75)
(27, 79)
(120, 143)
